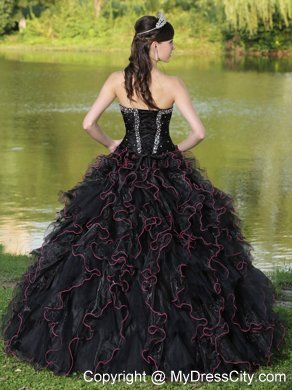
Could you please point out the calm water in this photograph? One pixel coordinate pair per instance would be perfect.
(245, 106)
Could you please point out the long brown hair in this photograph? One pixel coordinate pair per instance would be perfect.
(138, 71)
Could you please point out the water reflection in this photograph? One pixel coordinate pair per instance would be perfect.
(245, 107)
(258, 64)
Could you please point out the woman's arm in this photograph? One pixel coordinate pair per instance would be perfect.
(105, 97)
(184, 104)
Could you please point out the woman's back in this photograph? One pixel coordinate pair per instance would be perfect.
(161, 88)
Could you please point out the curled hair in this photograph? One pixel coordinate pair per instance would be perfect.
(138, 71)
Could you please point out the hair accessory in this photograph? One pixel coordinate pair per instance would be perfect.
(161, 22)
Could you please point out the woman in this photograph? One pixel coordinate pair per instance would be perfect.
(147, 49)
(145, 268)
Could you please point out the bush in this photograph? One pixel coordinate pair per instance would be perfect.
(7, 22)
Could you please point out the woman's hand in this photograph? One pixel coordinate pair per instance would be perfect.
(115, 143)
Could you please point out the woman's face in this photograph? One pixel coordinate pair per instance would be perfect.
(165, 49)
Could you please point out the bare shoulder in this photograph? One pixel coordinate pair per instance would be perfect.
(164, 77)
(118, 73)
(116, 76)
(176, 86)
(114, 81)
(179, 88)
(178, 82)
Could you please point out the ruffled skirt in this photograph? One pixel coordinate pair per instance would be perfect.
(144, 268)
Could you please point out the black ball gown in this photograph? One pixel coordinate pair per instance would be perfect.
(144, 268)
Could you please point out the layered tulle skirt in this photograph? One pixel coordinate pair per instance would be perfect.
(144, 268)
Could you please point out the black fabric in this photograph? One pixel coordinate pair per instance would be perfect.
(145, 267)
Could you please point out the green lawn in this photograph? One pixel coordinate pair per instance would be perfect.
(16, 375)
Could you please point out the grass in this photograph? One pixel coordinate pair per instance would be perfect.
(186, 46)
(18, 375)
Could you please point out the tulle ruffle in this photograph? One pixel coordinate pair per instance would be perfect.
(144, 268)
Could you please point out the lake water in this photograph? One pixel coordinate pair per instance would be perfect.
(245, 105)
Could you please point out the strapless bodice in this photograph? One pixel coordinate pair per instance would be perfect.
(147, 131)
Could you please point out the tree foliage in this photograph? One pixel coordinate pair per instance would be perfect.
(12, 10)
(6, 12)
(249, 15)
(265, 23)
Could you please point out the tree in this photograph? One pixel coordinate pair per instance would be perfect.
(249, 14)
(97, 7)
(6, 19)
(32, 8)
(12, 11)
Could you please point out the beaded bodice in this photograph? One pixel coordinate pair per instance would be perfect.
(147, 131)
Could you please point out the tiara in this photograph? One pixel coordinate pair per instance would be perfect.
(161, 22)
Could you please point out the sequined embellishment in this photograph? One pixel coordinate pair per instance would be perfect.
(158, 127)
(135, 111)
(137, 124)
